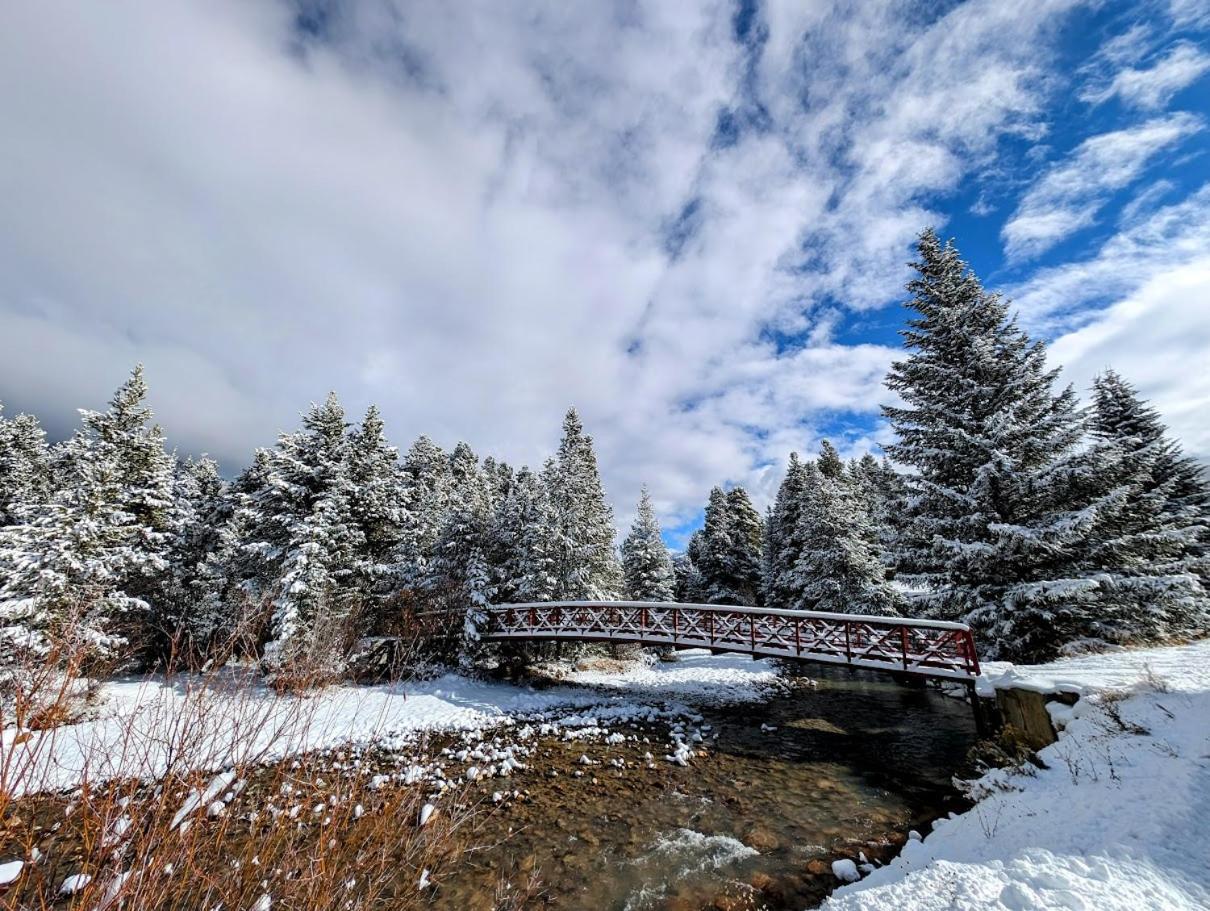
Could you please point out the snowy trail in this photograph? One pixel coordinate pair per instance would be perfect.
(139, 724)
(1118, 820)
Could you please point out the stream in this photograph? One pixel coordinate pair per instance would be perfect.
(842, 763)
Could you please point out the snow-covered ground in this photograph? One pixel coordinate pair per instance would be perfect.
(1120, 819)
(139, 727)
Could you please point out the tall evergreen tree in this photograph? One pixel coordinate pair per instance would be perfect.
(586, 565)
(689, 584)
(90, 563)
(459, 566)
(783, 543)
(307, 508)
(1151, 553)
(747, 546)
(524, 535)
(838, 569)
(646, 564)
(24, 466)
(199, 506)
(377, 505)
(426, 498)
(998, 513)
(713, 555)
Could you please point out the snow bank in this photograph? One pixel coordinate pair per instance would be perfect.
(1116, 821)
(140, 723)
(696, 674)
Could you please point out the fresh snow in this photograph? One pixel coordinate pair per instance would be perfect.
(10, 871)
(1117, 820)
(240, 720)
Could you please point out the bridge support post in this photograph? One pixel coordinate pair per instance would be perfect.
(984, 725)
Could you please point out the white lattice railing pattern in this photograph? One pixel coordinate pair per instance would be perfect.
(924, 647)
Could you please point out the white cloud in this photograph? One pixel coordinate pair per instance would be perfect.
(1071, 193)
(460, 211)
(1060, 298)
(1153, 87)
(1159, 338)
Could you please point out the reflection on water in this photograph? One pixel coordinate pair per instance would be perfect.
(782, 788)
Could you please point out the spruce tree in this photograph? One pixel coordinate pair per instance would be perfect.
(83, 571)
(838, 569)
(747, 547)
(714, 552)
(199, 506)
(307, 509)
(646, 564)
(1152, 551)
(689, 588)
(586, 565)
(426, 498)
(377, 504)
(999, 508)
(782, 543)
(459, 569)
(25, 478)
(524, 542)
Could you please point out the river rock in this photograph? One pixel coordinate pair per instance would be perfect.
(762, 839)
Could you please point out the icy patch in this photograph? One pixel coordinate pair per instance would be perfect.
(697, 675)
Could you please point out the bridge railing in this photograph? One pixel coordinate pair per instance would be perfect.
(924, 647)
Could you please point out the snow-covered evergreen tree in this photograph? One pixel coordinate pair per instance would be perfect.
(426, 498)
(459, 566)
(198, 513)
(524, 542)
(646, 564)
(782, 543)
(316, 544)
(87, 565)
(747, 547)
(714, 550)
(838, 569)
(999, 509)
(684, 570)
(586, 564)
(377, 503)
(1152, 551)
(25, 479)
(235, 578)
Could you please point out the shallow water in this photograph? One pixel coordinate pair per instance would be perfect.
(855, 762)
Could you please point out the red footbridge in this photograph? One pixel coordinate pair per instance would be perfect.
(921, 648)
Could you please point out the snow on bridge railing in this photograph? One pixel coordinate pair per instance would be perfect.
(930, 648)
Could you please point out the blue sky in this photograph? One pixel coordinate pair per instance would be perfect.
(690, 220)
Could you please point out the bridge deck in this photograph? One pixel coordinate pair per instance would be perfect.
(920, 647)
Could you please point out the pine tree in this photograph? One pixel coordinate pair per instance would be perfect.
(838, 569)
(1152, 550)
(646, 564)
(713, 554)
(426, 498)
(307, 507)
(88, 565)
(459, 567)
(689, 587)
(198, 512)
(236, 575)
(782, 541)
(586, 565)
(25, 481)
(747, 547)
(377, 504)
(999, 509)
(524, 542)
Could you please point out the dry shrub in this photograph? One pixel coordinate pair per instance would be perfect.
(119, 824)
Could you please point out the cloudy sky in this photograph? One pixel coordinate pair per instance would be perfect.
(691, 220)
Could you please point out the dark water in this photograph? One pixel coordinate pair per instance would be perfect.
(855, 762)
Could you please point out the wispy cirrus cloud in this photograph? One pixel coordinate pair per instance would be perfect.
(1072, 192)
(1153, 86)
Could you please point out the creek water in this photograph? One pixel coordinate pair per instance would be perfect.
(845, 763)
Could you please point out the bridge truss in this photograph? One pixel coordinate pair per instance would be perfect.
(924, 648)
